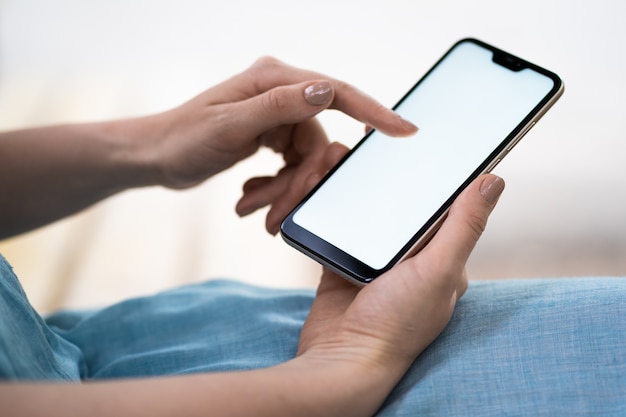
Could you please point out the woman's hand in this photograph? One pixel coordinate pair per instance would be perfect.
(384, 326)
(269, 104)
(372, 335)
(303, 169)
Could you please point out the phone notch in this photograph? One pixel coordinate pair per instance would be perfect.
(385, 200)
(508, 61)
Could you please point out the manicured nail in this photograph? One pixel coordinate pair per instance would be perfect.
(408, 125)
(319, 93)
(491, 188)
(244, 211)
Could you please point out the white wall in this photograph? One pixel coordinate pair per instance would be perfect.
(71, 60)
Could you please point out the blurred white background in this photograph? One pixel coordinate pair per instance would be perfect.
(562, 213)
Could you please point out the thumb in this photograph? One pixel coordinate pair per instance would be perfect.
(467, 219)
(283, 105)
(441, 263)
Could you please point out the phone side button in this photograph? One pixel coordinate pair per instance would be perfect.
(521, 135)
(493, 165)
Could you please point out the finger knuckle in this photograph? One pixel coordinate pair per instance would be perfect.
(476, 224)
(343, 86)
(349, 90)
(266, 61)
(439, 276)
(275, 100)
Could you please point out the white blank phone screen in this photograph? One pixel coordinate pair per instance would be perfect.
(390, 187)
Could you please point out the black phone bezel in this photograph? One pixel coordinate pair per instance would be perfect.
(350, 267)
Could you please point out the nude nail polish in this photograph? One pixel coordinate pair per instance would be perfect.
(407, 124)
(491, 188)
(319, 93)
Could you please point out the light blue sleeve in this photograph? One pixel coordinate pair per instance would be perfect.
(29, 349)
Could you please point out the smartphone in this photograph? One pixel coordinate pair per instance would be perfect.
(388, 196)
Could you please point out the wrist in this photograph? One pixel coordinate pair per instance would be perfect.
(348, 383)
(133, 145)
(174, 148)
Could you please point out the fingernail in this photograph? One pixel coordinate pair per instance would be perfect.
(242, 210)
(491, 188)
(408, 125)
(319, 93)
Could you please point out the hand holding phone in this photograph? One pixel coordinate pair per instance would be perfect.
(388, 196)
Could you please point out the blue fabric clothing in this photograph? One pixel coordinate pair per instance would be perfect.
(530, 347)
(214, 326)
(527, 347)
(29, 348)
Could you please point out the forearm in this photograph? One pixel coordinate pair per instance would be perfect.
(289, 389)
(50, 172)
